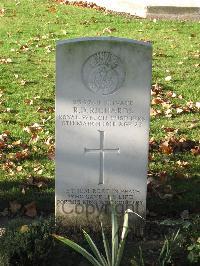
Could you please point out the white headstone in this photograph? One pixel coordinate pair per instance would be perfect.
(181, 9)
(102, 125)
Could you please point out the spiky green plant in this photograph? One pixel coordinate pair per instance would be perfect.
(167, 249)
(113, 255)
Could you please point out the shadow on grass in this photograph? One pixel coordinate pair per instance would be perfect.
(185, 196)
(185, 191)
(48, 100)
(13, 190)
(9, 120)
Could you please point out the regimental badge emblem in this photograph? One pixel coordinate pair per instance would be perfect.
(103, 73)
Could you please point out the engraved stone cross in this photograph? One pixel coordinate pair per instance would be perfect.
(102, 150)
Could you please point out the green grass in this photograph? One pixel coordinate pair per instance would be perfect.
(28, 34)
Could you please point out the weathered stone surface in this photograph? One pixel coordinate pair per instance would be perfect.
(102, 124)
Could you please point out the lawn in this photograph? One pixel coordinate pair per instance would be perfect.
(28, 34)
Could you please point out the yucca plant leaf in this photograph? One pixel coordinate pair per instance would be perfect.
(174, 237)
(166, 251)
(94, 249)
(115, 241)
(120, 250)
(125, 225)
(123, 239)
(105, 262)
(106, 247)
(141, 257)
(124, 235)
(78, 249)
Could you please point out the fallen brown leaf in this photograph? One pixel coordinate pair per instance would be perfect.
(52, 9)
(24, 48)
(182, 164)
(196, 150)
(157, 100)
(156, 89)
(2, 12)
(166, 148)
(109, 30)
(39, 182)
(169, 129)
(155, 112)
(33, 129)
(24, 228)
(34, 138)
(17, 142)
(153, 144)
(20, 155)
(49, 141)
(5, 60)
(19, 168)
(3, 145)
(30, 209)
(14, 206)
(28, 101)
(82, 4)
(8, 165)
(171, 94)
